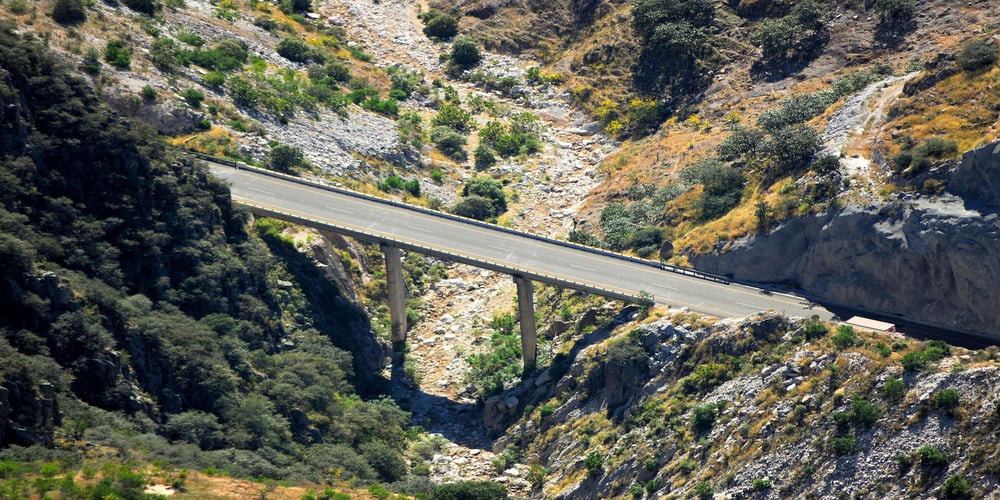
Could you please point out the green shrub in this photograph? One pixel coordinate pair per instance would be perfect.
(454, 117)
(69, 11)
(144, 6)
(704, 491)
(895, 12)
(294, 49)
(484, 157)
(947, 399)
(956, 487)
(465, 53)
(703, 417)
(815, 330)
(438, 24)
(117, 54)
(488, 188)
(213, 79)
(977, 55)
(845, 445)
(845, 337)
(449, 142)
(148, 93)
(594, 461)
(285, 157)
(864, 413)
(386, 461)
(761, 484)
(469, 490)
(474, 207)
(193, 97)
(894, 389)
(931, 456)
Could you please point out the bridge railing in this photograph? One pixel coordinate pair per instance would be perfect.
(452, 256)
(687, 271)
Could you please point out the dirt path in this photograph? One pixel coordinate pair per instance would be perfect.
(550, 186)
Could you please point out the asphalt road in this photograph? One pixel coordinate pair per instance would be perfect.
(506, 249)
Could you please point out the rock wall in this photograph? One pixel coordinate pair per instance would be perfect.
(932, 260)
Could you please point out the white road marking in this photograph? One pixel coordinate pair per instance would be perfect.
(341, 210)
(260, 191)
(422, 230)
(744, 304)
(581, 267)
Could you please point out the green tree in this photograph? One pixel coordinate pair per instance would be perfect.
(117, 54)
(294, 49)
(193, 97)
(956, 487)
(470, 490)
(703, 417)
(284, 157)
(454, 117)
(69, 11)
(488, 188)
(465, 52)
(144, 6)
(449, 141)
(474, 207)
(977, 55)
(895, 13)
(440, 25)
(387, 462)
(163, 54)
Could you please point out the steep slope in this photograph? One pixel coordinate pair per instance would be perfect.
(765, 407)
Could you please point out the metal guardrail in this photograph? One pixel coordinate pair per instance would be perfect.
(452, 256)
(686, 271)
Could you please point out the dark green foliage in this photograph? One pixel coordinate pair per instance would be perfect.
(284, 157)
(761, 484)
(386, 461)
(243, 93)
(956, 487)
(932, 456)
(895, 13)
(290, 6)
(792, 148)
(148, 93)
(438, 24)
(163, 53)
(213, 79)
(946, 399)
(815, 330)
(474, 207)
(793, 37)
(484, 157)
(449, 142)
(977, 55)
(703, 417)
(388, 107)
(594, 461)
(193, 97)
(930, 352)
(864, 413)
(723, 188)
(704, 491)
(453, 117)
(674, 36)
(294, 49)
(894, 389)
(502, 363)
(488, 188)
(144, 6)
(844, 445)
(465, 53)
(845, 337)
(69, 11)
(117, 54)
(470, 490)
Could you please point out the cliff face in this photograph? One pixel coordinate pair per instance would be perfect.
(932, 260)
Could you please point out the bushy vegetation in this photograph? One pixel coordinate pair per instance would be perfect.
(977, 55)
(465, 53)
(501, 364)
(796, 36)
(483, 198)
(438, 24)
(675, 43)
(69, 11)
(149, 271)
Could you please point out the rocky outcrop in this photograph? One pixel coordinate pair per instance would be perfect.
(933, 260)
(977, 177)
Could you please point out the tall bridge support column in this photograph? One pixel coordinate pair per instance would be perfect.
(397, 296)
(526, 311)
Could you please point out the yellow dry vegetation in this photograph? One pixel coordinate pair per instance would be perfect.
(962, 108)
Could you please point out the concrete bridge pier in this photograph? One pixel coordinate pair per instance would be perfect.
(526, 311)
(397, 296)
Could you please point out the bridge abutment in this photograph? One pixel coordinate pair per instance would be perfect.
(526, 311)
(397, 295)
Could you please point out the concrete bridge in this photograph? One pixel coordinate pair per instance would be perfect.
(526, 257)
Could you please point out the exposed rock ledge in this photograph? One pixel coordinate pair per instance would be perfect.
(935, 261)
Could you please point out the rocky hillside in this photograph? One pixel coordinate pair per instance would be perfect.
(764, 407)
